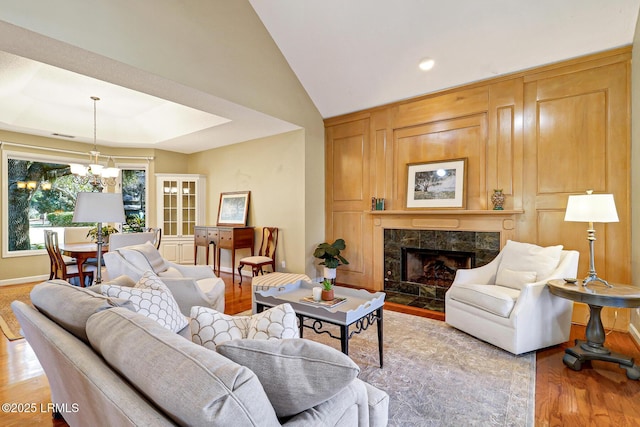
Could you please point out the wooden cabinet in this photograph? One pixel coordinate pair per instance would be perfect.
(230, 238)
(180, 208)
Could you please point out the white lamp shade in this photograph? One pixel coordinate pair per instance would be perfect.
(99, 207)
(591, 208)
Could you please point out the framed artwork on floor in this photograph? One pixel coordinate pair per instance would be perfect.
(233, 208)
(438, 184)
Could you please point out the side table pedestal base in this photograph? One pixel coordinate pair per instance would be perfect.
(575, 356)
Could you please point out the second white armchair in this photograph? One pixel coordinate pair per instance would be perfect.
(191, 285)
(507, 302)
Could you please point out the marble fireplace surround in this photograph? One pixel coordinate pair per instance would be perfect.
(491, 229)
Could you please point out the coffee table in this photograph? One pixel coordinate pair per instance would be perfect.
(361, 309)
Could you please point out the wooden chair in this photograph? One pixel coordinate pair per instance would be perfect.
(61, 268)
(266, 255)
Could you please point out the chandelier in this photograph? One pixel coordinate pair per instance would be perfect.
(95, 174)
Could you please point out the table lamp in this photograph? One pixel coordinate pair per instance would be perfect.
(99, 208)
(591, 208)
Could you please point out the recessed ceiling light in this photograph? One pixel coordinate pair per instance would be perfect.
(426, 64)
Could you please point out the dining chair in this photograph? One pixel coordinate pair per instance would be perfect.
(266, 254)
(61, 268)
(158, 236)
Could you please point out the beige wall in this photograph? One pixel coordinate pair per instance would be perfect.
(635, 178)
(218, 47)
(271, 169)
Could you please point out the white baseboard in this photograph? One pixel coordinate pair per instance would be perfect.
(635, 334)
(20, 280)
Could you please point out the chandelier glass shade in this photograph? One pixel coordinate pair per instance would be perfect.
(95, 173)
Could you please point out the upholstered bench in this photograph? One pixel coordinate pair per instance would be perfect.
(266, 281)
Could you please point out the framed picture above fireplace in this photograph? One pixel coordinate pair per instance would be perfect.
(436, 184)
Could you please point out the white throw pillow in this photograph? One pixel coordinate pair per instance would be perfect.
(515, 279)
(517, 256)
(210, 327)
(151, 297)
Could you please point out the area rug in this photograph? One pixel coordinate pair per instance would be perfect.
(8, 322)
(436, 375)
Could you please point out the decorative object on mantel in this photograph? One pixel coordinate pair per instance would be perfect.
(330, 254)
(377, 204)
(233, 208)
(497, 198)
(436, 184)
(591, 208)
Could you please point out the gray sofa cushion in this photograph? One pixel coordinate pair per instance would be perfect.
(192, 385)
(70, 306)
(297, 374)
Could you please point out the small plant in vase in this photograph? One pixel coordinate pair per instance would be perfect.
(106, 231)
(327, 290)
(331, 258)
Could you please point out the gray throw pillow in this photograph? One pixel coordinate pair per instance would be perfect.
(70, 306)
(297, 374)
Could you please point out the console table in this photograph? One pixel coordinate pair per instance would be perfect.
(231, 238)
(597, 296)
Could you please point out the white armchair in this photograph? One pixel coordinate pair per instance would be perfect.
(507, 302)
(191, 285)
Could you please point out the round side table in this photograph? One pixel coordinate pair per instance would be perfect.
(597, 296)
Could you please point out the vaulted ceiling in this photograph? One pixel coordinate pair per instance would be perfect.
(348, 55)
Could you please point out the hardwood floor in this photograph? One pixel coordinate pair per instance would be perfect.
(599, 395)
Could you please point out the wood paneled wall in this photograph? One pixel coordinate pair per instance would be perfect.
(540, 135)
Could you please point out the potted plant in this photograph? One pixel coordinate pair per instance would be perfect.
(330, 256)
(106, 231)
(327, 290)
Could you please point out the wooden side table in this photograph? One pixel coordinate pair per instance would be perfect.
(231, 238)
(597, 296)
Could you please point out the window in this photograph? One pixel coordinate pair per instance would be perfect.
(40, 193)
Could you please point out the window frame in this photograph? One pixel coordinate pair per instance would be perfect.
(59, 158)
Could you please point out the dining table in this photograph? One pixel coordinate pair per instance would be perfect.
(82, 251)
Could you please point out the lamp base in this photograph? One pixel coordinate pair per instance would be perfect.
(593, 278)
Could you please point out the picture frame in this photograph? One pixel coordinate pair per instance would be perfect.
(233, 208)
(438, 184)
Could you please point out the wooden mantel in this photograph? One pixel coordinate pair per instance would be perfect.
(503, 222)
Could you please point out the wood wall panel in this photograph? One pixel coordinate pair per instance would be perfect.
(348, 169)
(540, 135)
(440, 141)
(572, 139)
(459, 103)
(350, 155)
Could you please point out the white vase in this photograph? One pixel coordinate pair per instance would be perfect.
(329, 273)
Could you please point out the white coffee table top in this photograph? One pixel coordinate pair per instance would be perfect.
(358, 304)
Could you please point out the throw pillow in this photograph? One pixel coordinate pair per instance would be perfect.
(518, 256)
(152, 298)
(297, 374)
(210, 327)
(514, 279)
(150, 254)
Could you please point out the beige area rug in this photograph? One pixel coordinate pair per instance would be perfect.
(8, 322)
(436, 375)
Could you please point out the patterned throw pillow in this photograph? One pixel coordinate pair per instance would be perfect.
(210, 327)
(151, 297)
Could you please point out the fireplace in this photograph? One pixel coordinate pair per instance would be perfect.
(433, 267)
(420, 265)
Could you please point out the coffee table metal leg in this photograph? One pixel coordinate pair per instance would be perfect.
(380, 340)
(300, 324)
(344, 339)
